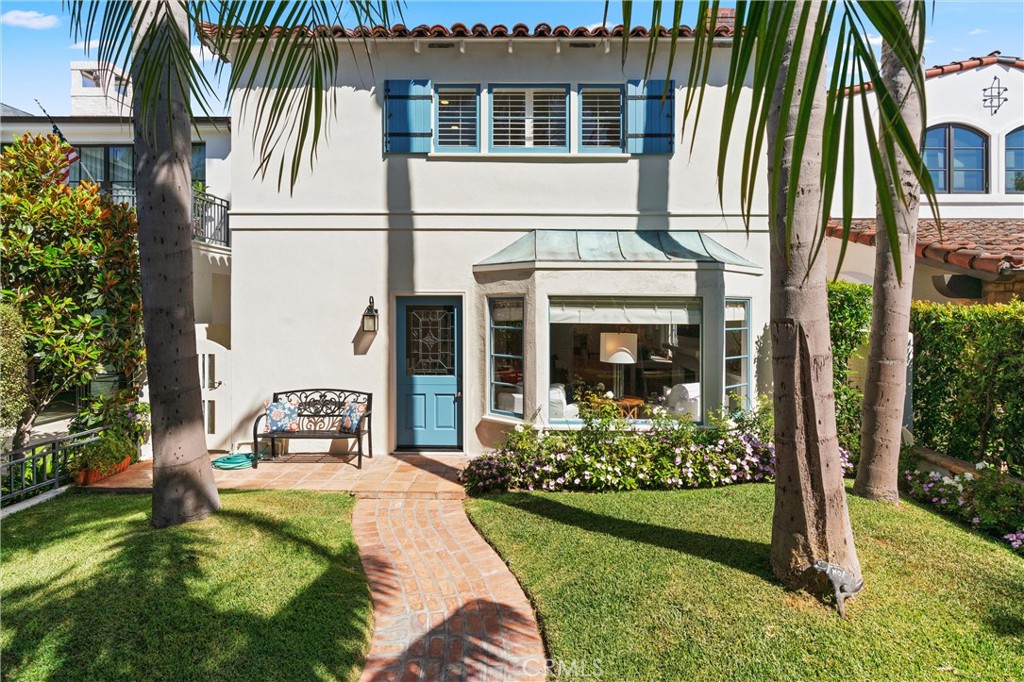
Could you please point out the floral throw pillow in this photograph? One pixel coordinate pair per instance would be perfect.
(351, 416)
(282, 416)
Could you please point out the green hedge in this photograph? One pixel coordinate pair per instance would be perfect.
(13, 366)
(849, 316)
(969, 380)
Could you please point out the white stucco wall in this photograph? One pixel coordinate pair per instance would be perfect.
(957, 98)
(362, 224)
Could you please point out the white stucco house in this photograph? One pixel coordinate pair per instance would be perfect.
(974, 149)
(100, 129)
(519, 211)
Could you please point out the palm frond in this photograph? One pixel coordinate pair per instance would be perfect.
(285, 77)
(755, 68)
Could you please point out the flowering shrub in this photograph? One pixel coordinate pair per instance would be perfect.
(121, 413)
(987, 500)
(609, 453)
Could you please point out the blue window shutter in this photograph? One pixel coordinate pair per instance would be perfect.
(650, 121)
(407, 116)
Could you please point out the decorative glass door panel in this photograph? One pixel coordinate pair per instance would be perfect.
(429, 376)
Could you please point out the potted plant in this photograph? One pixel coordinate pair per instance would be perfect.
(109, 455)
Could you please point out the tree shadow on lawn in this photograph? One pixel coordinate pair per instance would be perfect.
(151, 611)
(744, 555)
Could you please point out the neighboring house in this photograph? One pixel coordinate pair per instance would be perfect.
(510, 201)
(100, 129)
(974, 149)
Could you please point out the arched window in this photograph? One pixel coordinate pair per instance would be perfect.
(1015, 161)
(957, 158)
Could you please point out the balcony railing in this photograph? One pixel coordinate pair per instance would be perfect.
(209, 215)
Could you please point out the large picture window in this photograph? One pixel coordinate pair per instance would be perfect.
(737, 355)
(957, 159)
(659, 363)
(506, 361)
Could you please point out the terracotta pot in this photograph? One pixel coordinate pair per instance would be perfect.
(88, 476)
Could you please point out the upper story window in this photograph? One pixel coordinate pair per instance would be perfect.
(530, 118)
(600, 118)
(957, 158)
(1015, 161)
(634, 117)
(458, 116)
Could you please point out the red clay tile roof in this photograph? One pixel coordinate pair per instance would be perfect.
(962, 65)
(207, 30)
(985, 244)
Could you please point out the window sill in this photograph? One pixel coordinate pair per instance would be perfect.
(503, 419)
(577, 157)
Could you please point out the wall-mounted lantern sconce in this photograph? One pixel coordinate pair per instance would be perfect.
(371, 320)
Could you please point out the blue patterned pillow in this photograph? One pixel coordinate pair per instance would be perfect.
(351, 416)
(282, 416)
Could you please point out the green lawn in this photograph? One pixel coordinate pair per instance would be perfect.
(269, 588)
(676, 586)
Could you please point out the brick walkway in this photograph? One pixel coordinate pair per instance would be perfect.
(445, 605)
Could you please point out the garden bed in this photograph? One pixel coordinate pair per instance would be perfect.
(677, 585)
(270, 587)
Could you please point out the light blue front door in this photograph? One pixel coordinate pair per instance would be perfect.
(429, 368)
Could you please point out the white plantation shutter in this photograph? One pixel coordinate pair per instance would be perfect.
(601, 120)
(509, 118)
(457, 118)
(529, 118)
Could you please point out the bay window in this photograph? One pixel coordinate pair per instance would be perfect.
(659, 363)
(737, 355)
(506, 356)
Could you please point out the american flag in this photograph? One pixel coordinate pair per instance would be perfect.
(72, 154)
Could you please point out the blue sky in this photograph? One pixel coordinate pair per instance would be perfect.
(36, 47)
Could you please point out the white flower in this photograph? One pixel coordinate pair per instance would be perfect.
(519, 428)
(981, 465)
(968, 476)
(609, 395)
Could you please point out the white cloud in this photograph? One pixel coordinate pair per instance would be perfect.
(875, 40)
(87, 47)
(29, 19)
(977, 31)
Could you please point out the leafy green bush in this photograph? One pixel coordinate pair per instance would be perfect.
(849, 316)
(13, 367)
(71, 269)
(120, 413)
(968, 392)
(105, 454)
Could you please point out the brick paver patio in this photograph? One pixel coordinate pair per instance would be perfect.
(445, 605)
(433, 476)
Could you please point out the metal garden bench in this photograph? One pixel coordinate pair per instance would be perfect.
(320, 412)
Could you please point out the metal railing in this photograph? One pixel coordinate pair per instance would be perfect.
(41, 466)
(209, 215)
(210, 219)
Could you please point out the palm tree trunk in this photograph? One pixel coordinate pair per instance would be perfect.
(886, 382)
(811, 522)
(183, 484)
